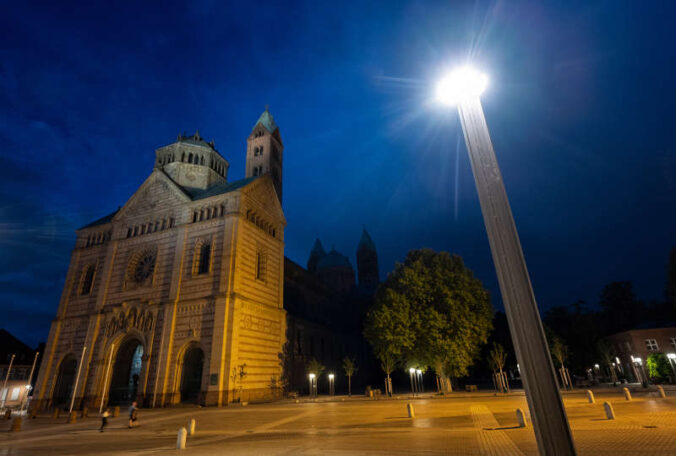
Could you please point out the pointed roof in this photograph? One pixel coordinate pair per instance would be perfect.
(267, 121)
(366, 242)
(318, 248)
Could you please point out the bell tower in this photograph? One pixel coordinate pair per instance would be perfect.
(264, 151)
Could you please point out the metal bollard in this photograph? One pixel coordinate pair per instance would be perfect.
(610, 413)
(191, 427)
(72, 418)
(180, 440)
(627, 394)
(8, 414)
(660, 390)
(521, 418)
(85, 412)
(56, 412)
(411, 412)
(116, 411)
(16, 424)
(590, 397)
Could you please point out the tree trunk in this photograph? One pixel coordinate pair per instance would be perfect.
(349, 385)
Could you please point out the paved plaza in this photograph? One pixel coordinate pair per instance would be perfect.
(459, 424)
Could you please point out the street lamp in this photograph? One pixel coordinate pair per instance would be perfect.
(331, 388)
(420, 381)
(411, 371)
(311, 378)
(463, 87)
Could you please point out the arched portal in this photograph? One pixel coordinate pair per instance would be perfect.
(64, 381)
(191, 376)
(126, 373)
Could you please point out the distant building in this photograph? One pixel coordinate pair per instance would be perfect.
(17, 390)
(634, 346)
(326, 309)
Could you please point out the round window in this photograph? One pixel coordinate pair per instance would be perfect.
(144, 267)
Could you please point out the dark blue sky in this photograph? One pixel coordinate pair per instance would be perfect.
(580, 107)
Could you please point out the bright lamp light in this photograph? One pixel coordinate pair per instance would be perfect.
(461, 84)
(312, 375)
(331, 376)
(418, 372)
(411, 370)
(671, 356)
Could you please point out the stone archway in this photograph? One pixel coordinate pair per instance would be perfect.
(124, 381)
(191, 375)
(64, 381)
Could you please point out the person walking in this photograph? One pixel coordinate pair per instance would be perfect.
(133, 412)
(104, 419)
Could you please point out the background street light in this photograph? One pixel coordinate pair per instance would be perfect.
(420, 379)
(411, 371)
(331, 387)
(311, 378)
(463, 87)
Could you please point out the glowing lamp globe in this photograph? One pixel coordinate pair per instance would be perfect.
(461, 84)
(411, 370)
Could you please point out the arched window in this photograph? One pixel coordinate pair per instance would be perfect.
(201, 160)
(182, 157)
(190, 158)
(260, 151)
(202, 261)
(87, 280)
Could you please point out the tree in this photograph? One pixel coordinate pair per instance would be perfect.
(239, 373)
(497, 359)
(314, 367)
(350, 368)
(620, 308)
(658, 367)
(433, 310)
(607, 354)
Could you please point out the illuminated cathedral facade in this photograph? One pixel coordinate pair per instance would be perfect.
(178, 295)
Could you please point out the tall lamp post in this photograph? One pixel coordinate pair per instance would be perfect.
(463, 88)
(410, 373)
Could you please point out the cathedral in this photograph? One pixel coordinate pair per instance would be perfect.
(178, 295)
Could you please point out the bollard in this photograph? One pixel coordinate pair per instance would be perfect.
(590, 397)
(72, 418)
(660, 390)
(627, 394)
(520, 418)
(191, 427)
(411, 412)
(85, 412)
(16, 424)
(610, 413)
(8, 414)
(34, 413)
(56, 412)
(180, 440)
(116, 411)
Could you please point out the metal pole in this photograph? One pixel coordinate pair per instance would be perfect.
(411, 377)
(549, 416)
(105, 380)
(4, 385)
(30, 379)
(77, 379)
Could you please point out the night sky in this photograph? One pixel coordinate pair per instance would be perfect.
(580, 106)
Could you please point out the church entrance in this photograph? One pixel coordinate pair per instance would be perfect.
(126, 373)
(64, 382)
(191, 377)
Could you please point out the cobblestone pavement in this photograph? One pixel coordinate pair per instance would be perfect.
(462, 424)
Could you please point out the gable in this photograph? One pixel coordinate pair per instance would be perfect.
(157, 194)
(262, 194)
